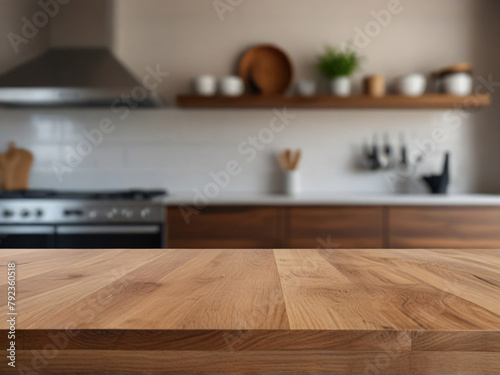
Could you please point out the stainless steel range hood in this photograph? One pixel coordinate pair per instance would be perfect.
(72, 78)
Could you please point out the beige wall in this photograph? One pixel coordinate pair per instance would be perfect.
(188, 37)
(11, 13)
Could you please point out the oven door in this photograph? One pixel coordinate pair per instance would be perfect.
(27, 236)
(109, 237)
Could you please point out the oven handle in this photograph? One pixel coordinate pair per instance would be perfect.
(108, 229)
(29, 229)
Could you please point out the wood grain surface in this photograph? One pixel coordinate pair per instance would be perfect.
(323, 311)
(223, 227)
(335, 227)
(266, 69)
(444, 227)
(426, 101)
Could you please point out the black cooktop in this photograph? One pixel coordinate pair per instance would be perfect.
(138, 195)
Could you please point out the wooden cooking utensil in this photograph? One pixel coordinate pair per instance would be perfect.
(296, 159)
(3, 163)
(282, 161)
(266, 69)
(15, 166)
(289, 160)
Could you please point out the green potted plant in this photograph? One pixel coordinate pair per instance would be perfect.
(338, 66)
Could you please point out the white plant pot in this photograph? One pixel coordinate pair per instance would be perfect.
(292, 182)
(341, 86)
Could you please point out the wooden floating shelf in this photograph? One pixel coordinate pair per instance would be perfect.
(428, 101)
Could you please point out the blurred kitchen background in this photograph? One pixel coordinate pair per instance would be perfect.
(177, 148)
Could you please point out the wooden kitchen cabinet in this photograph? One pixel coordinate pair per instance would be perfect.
(226, 227)
(444, 227)
(277, 227)
(301, 227)
(335, 227)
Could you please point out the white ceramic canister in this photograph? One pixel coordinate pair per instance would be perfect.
(459, 84)
(306, 87)
(232, 86)
(205, 85)
(412, 85)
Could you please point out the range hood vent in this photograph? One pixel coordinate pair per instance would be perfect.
(72, 78)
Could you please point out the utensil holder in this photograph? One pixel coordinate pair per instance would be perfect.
(292, 182)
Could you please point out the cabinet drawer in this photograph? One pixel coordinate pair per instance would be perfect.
(341, 227)
(226, 227)
(221, 244)
(444, 227)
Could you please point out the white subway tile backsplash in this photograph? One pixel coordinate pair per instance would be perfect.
(178, 149)
(146, 155)
(52, 128)
(103, 156)
(44, 154)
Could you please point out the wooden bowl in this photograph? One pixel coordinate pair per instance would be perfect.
(266, 69)
(457, 68)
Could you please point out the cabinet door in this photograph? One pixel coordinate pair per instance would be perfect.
(226, 227)
(335, 227)
(444, 227)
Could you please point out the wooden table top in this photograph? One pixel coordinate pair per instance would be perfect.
(205, 311)
(367, 290)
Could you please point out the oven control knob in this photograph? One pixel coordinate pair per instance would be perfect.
(145, 212)
(127, 213)
(7, 213)
(38, 213)
(25, 213)
(92, 214)
(112, 213)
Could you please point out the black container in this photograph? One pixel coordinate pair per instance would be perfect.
(438, 184)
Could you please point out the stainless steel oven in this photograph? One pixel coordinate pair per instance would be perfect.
(27, 237)
(115, 221)
(109, 236)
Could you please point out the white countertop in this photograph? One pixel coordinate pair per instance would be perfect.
(334, 199)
